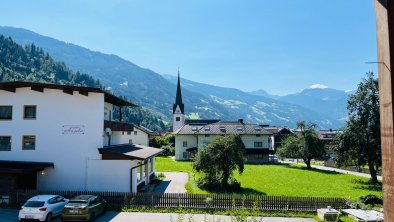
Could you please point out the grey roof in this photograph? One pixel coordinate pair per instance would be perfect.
(143, 129)
(133, 151)
(221, 128)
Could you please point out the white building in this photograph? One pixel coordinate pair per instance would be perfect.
(193, 135)
(56, 137)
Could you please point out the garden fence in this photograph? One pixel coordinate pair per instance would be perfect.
(195, 201)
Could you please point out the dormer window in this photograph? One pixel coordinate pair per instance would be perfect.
(258, 129)
(239, 128)
(207, 128)
(177, 118)
(194, 129)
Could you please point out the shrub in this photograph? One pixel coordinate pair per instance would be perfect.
(371, 200)
(168, 151)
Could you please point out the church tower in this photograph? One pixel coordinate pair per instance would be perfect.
(178, 109)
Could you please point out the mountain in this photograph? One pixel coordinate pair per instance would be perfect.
(139, 85)
(153, 91)
(323, 100)
(30, 63)
(256, 108)
(262, 92)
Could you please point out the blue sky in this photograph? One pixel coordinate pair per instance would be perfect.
(279, 46)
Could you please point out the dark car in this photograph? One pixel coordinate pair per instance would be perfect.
(84, 208)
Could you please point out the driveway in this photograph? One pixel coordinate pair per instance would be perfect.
(174, 182)
(12, 216)
(333, 169)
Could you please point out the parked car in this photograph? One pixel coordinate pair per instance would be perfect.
(42, 208)
(84, 207)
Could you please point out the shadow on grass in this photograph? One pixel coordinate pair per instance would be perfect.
(304, 168)
(366, 185)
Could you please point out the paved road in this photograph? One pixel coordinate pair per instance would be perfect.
(334, 169)
(173, 183)
(12, 216)
(344, 171)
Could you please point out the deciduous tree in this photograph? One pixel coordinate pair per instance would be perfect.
(219, 160)
(359, 144)
(306, 145)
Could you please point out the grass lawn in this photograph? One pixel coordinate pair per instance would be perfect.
(284, 180)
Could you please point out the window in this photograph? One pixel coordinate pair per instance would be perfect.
(258, 135)
(177, 119)
(5, 143)
(5, 112)
(184, 143)
(29, 142)
(207, 135)
(258, 144)
(131, 141)
(185, 155)
(29, 112)
(128, 132)
(135, 132)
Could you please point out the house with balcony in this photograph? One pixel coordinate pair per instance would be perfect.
(61, 137)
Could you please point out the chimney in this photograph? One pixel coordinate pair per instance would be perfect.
(241, 120)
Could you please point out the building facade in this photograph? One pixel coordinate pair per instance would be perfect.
(191, 138)
(55, 137)
(193, 135)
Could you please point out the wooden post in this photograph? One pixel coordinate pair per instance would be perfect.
(384, 10)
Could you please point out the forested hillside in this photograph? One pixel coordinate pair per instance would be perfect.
(31, 63)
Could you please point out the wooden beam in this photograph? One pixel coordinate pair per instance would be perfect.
(8, 88)
(85, 93)
(67, 91)
(384, 27)
(37, 88)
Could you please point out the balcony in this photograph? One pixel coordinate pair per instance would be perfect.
(118, 126)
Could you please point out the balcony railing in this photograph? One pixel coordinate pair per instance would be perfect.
(118, 126)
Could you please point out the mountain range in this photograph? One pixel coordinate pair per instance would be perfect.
(326, 107)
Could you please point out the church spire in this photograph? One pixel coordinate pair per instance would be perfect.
(178, 98)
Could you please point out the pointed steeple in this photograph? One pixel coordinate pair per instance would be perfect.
(178, 98)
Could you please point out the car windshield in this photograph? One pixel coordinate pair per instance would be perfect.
(77, 201)
(34, 204)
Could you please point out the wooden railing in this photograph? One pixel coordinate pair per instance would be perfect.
(196, 201)
(118, 126)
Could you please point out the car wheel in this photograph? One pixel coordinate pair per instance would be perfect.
(49, 217)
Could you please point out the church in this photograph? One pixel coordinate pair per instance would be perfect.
(193, 135)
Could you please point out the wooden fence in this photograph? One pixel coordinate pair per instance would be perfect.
(196, 201)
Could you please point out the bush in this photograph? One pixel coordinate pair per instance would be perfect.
(371, 200)
(233, 186)
(168, 151)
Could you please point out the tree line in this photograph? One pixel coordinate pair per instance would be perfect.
(30, 63)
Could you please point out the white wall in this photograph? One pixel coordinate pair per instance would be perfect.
(250, 139)
(110, 175)
(69, 153)
(179, 149)
(119, 137)
(177, 124)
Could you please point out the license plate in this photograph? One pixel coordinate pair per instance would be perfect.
(29, 216)
(73, 211)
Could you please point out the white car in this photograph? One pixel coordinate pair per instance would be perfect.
(42, 208)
